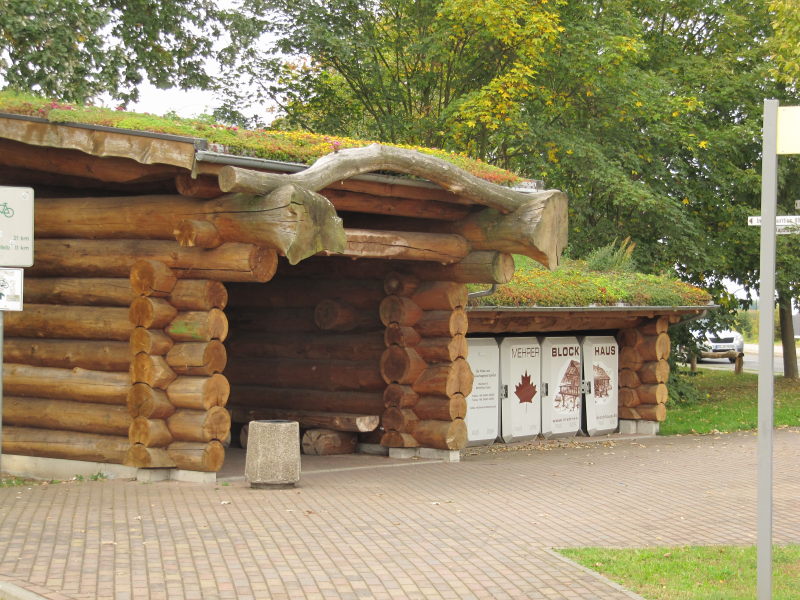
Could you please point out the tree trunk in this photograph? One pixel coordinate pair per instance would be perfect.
(787, 336)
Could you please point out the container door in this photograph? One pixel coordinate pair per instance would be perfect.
(600, 376)
(561, 380)
(520, 388)
(483, 404)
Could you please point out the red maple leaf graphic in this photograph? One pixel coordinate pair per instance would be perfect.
(525, 391)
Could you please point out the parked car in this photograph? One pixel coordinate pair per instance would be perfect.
(720, 341)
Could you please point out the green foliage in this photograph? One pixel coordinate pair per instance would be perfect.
(75, 50)
(696, 572)
(729, 402)
(290, 146)
(612, 257)
(682, 388)
(13, 482)
(574, 284)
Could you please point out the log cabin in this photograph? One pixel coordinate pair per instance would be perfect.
(179, 292)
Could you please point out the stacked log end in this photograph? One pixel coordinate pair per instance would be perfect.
(644, 370)
(177, 391)
(424, 363)
(307, 349)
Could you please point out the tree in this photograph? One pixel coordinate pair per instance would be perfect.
(73, 50)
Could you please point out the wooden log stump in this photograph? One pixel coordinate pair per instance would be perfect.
(440, 295)
(445, 379)
(151, 433)
(197, 358)
(101, 291)
(194, 456)
(82, 385)
(198, 294)
(656, 371)
(152, 278)
(199, 426)
(199, 393)
(400, 310)
(69, 322)
(46, 413)
(325, 442)
(151, 313)
(149, 341)
(444, 435)
(401, 365)
(654, 347)
(199, 326)
(630, 337)
(442, 349)
(440, 408)
(144, 401)
(71, 445)
(442, 323)
(152, 370)
(653, 393)
(68, 354)
(655, 326)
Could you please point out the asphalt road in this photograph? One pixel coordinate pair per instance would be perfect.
(750, 360)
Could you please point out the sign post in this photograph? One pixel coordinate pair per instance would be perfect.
(16, 250)
(781, 135)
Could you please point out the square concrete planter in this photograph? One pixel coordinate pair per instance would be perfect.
(273, 454)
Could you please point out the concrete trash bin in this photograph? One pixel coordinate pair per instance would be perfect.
(273, 454)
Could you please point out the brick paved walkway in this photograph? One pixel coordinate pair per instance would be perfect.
(476, 529)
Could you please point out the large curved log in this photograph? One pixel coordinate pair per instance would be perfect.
(350, 162)
(294, 221)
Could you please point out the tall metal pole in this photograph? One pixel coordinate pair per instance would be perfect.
(766, 348)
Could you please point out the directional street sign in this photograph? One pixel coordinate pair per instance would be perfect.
(784, 225)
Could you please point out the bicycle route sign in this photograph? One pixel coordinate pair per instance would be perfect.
(16, 227)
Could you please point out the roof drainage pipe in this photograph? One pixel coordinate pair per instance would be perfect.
(483, 293)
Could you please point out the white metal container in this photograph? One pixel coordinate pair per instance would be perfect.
(483, 404)
(561, 380)
(601, 382)
(520, 388)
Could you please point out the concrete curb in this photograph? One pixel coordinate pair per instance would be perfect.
(594, 574)
(10, 591)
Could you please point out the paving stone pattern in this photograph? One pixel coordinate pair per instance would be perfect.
(471, 530)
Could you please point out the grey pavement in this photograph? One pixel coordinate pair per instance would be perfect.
(370, 527)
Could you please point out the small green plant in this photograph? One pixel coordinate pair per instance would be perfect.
(682, 389)
(13, 482)
(98, 476)
(78, 478)
(613, 258)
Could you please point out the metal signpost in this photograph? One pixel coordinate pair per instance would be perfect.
(781, 136)
(16, 250)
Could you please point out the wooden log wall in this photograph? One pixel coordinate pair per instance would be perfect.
(424, 364)
(644, 370)
(308, 349)
(177, 393)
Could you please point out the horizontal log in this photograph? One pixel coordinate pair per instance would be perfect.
(629, 378)
(401, 335)
(442, 349)
(198, 294)
(151, 277)
(401, 365)
(333, 315)
(47, 413)
(318, 419)
(654, 347)
(397, 439)
(399, 419)
(400, 284)
(442, 323)
(143, 457)
(631, 336)
(114, 258)
(656, 371)
(333, 375)
(201, 186)
(445, 379)
(198, 326)
(144, 401)
(444, 435)
(356, 347)
(345, 200)
(629, 397)
(646, 412)
(149, 341)
(324, 442)
(651, 327)
(358, 402)
(68, 384)
(401, 396)
(202, 234)
(295, 221)
(71, 445)
(188, 425)
(199, 393)
(440, 295)
(100, 291)
(152, 370)
(151, 433)
(400, 310)
(151, 313)
(69, 322)
(653, 393)
(283, 292)
(629, 358)
(197, 358)
(194, 456)
(405, 245)
(68, 354)
(441, 408)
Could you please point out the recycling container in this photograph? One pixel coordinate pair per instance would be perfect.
(601, 383)
(562, 389)
(520, 388)
(483, 404)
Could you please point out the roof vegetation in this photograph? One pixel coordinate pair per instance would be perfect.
(289, 146)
